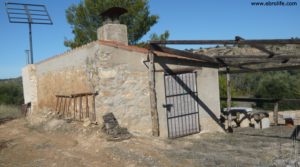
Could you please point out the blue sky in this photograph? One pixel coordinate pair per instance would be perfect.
(189, 19)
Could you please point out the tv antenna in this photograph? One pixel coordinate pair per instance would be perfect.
(28, 14)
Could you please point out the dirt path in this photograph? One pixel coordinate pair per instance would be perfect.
(57, 143)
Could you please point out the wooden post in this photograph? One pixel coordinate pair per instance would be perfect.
(228, 84)
(94, 108)
(57, 101)
(60, 105)
(153, 100)
(68, 111)
(275, 114)
(75, 107)
(65, 106)
(87, 114)
(80, 108)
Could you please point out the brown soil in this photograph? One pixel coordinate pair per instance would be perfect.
(57, 143)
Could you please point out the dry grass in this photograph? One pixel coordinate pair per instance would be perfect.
(9, 112)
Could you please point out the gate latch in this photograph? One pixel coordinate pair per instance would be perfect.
(168, 107)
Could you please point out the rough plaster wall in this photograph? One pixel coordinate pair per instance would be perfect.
(63, 82)
(160, 93)
(63, 75)
(29, 81)
(208, 92)
(123, 87)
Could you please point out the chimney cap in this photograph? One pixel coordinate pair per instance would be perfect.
(113, 14)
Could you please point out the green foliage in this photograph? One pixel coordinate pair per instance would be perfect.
(246, 84)
(223, 90)
(162, 37)
(277, 85)
(155, 37)
(274, 86)
(11, 92)
(85, 19)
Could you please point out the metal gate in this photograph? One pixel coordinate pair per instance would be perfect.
(182, 108)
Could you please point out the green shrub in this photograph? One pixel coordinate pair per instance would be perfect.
(11, 92)
(275, 85)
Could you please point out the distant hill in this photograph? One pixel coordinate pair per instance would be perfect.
(18, 79)
(11, 91)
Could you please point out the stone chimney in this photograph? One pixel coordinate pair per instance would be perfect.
(112, 30)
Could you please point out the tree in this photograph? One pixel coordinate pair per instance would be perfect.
(85, 19)
(155, 37)
(162, 37)
(278, 85)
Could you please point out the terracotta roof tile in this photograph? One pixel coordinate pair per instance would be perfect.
(122, 46)
(116, 45)
(138, 49)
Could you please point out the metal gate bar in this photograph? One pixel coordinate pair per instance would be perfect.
(182, 109)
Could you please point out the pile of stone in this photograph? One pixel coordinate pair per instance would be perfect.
(112, 128)
(260, 120)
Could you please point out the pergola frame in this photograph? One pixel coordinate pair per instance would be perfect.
(229, 64)
(239, 63)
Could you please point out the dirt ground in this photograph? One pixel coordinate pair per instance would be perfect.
(56, 143)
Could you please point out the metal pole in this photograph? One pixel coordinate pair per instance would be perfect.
(30, 43)
(27, 56)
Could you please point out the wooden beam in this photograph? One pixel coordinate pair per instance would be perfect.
(179, 70)
(229, 42)
(153, 100)
(184, 54)
(294, 67)
(265, 100)
(275, 114)
(228, 85)
(276, 57)
(185, 62)
(251, 63)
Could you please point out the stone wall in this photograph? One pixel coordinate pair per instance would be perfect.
(122, 81)
(119, 75)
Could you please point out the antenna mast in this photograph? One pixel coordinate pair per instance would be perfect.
(28, 14)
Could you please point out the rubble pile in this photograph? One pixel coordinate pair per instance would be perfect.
(112, 128)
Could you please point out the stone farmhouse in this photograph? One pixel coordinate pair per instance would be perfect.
(149, 92)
